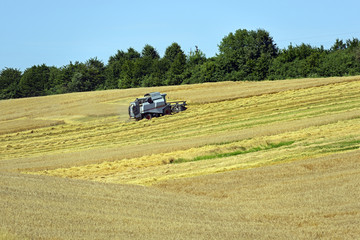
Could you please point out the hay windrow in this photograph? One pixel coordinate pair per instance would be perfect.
(285, 126)
(247, 160)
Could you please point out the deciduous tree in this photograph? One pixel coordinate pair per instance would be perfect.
(9, 80)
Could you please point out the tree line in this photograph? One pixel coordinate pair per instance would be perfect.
(243, 55)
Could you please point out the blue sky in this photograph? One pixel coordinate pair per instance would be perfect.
(57, 32)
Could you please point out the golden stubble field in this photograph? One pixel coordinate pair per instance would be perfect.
(268, 160)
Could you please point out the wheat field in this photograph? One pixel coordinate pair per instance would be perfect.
(263, 160)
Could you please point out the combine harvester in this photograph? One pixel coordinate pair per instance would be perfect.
(154, 105)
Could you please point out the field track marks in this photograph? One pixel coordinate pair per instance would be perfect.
(207, 119)
(111, 154)
(306, 199)
(257, 151)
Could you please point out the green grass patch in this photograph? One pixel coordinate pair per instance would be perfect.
(339, 146)
(235, 153)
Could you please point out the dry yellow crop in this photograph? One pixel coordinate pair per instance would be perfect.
(258, 151)
(88, 132)
(204, 126)
(73, 166)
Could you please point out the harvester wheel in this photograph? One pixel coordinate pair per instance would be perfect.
(167, 111)
(148, 116)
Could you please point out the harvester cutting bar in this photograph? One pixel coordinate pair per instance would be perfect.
(177, 106)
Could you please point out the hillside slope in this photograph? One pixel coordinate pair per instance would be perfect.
(316, 198)
(253, 160)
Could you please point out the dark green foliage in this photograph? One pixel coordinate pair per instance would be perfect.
(64, 77)
(9, 81)
(206, 72)
(297, 62)
(34, 81)
(150, 52)
(338, 63)
(132, 69)
(338, 45)
(243, 55)
(80, 77)
(175, 64)
(172, 52)
(196, 58)
(305, 61)
(246, 55)
(132, 54)
(112, 74)
(95, 72)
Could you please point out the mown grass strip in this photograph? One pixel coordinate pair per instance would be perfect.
(234, 153)
(339, 146)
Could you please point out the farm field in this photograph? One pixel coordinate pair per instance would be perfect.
(263, 160)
